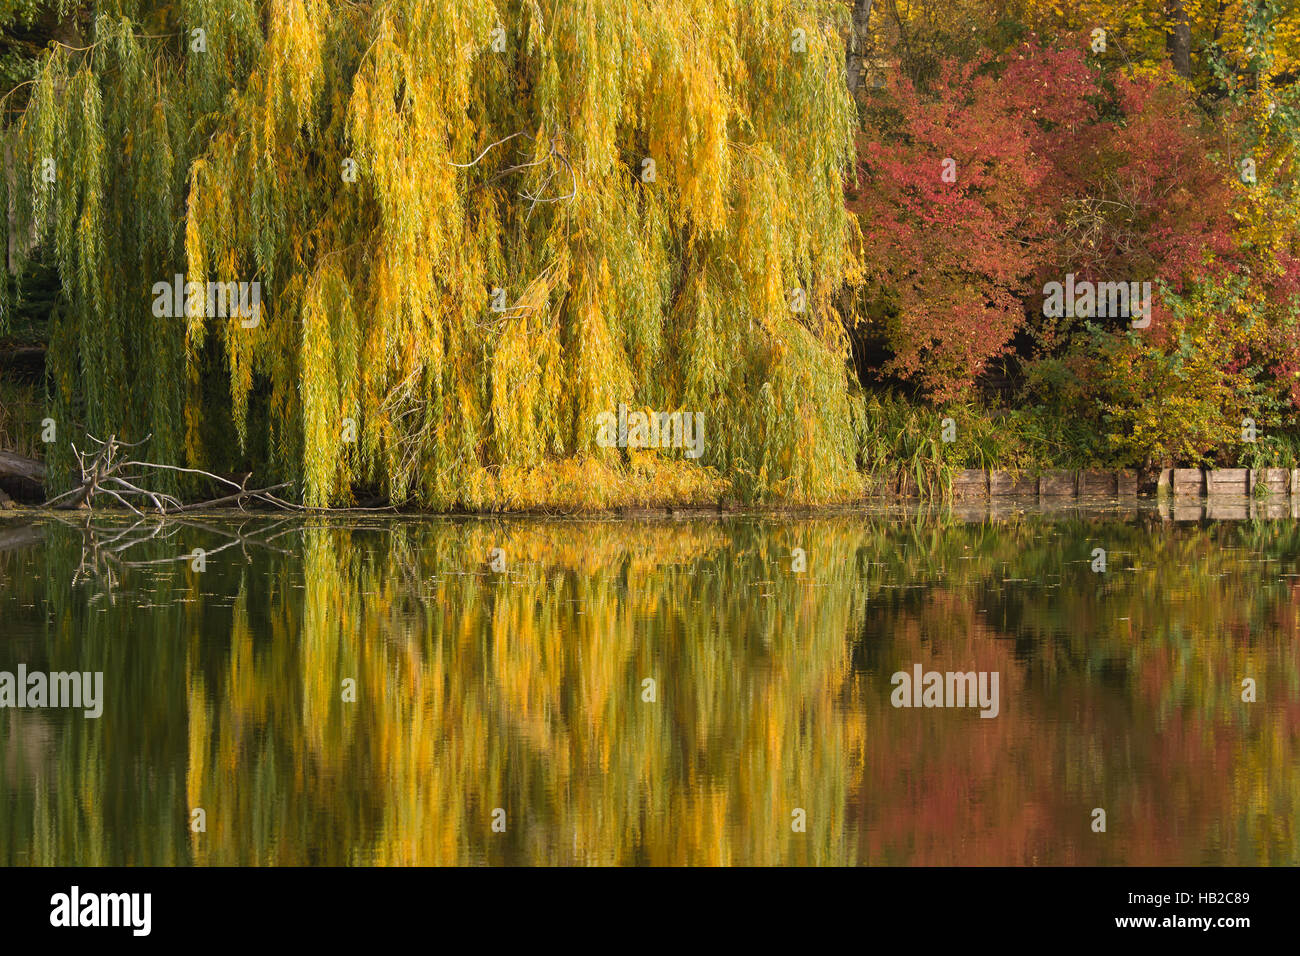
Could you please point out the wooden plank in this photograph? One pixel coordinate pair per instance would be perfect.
(1006, 483)
(1276, 480)
(1098, 483)
(970, 483)
(1057, 484)
(1189, 481)
(1126, 484)
(1227, 481)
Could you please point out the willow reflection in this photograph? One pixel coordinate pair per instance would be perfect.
(525, 691)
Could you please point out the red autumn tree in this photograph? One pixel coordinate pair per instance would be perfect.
(950, 202)
(1137, 196)
(1013, 172)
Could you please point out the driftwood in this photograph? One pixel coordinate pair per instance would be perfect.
(26, 469)
(24, 478)
(109, 473)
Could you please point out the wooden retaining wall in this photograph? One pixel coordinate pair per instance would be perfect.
(1222, 508)
(1182, 483)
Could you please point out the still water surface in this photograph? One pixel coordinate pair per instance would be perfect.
(526, 690)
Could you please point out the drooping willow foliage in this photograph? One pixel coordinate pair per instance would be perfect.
(647, 183)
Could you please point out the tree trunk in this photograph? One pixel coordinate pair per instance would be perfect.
(24, 478)
(1178, 37)
(16, 466)
(855, 58)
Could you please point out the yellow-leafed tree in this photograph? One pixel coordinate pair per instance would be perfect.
(474, 228)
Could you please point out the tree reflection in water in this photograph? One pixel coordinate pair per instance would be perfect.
(522, 690)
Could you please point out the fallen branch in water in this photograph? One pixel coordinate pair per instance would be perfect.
(108, 472)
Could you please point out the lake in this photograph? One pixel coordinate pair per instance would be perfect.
(711, 690)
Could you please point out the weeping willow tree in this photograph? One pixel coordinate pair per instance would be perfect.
(475, 227)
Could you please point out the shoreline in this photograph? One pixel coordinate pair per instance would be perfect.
(1224, 506)
(1273, 488)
